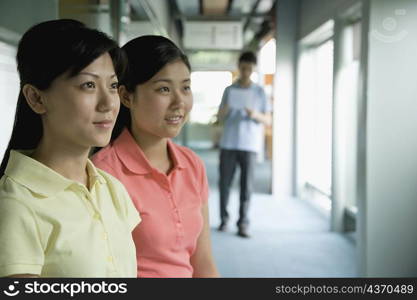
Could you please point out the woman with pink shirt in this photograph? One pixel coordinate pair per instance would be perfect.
(167, 182)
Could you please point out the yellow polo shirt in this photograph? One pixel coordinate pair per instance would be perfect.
(55, 227)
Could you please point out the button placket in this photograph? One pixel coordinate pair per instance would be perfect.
(90, 197)
(81, 192)
(109, 257)
(177, 218)
(97, 217)
(165, 184)
(111, 264)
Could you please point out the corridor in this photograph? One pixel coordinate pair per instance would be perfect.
(290, 238)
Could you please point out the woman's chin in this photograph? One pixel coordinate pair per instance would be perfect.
(174, 132)
(172, 135)
(102, 142)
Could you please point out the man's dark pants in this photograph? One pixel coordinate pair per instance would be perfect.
(229, 159)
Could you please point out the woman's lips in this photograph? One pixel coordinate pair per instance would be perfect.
(104, 124)
(174, 120)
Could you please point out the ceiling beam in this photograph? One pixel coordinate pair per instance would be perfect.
(251, 14)
(229, 7)
(214, 7)
(200, 3)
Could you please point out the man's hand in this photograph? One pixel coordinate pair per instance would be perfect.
(259, 117)
(251, 113)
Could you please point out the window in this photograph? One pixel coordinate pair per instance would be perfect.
(347, 97)
(207, 90)
(314, 121)
(202, 131)
(9, 90)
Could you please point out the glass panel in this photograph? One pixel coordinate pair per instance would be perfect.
(203, 131)
(315, 117)
(348, 99)
(207, 90)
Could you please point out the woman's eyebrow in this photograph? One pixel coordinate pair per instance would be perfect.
(168, 80)
(162, 79)
(94, 75)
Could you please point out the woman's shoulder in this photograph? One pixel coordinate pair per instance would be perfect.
(189, 156)
(14, 191)
(103, 154)
(15, 197)
(106, 159)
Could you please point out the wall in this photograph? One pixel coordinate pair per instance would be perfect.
(314, 13)
(163, 12)
(17, 16)
(391, 161)
(136, 29)
(284, 99)
(9, 90)
(164, 18)
(93, 15)
(387, 115)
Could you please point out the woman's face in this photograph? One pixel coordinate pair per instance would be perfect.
(81, 110)
(160, 107)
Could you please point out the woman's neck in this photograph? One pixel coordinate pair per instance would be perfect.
(155, 150)
(69, 162)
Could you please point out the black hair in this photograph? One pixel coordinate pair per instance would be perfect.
(248, 56)
(146, 56)
(46, 51)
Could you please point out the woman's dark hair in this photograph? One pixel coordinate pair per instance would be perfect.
(146, 56)
(46, 51)
(248, 56)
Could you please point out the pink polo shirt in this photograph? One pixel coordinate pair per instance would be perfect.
(170, 205)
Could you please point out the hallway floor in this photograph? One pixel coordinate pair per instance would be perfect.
(290, 238)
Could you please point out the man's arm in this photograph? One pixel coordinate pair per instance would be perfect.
(222, 113)
(264, 118)
(224, 107)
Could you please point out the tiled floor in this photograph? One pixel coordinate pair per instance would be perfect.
(289, 237)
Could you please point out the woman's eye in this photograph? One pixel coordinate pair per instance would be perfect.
(88, 85)
(187, 88)
(115, 85)
(164, 89)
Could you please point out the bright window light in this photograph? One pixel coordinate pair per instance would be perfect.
(267, 57)
(207, 90)
(315, 116)
(255, 77)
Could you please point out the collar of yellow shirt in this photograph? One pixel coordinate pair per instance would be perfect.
(39, 178)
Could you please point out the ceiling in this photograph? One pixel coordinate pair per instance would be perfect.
(257, 16)
(256, 20)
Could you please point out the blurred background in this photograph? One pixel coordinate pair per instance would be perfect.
(335, 189)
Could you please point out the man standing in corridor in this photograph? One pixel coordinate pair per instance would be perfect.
(243, 111)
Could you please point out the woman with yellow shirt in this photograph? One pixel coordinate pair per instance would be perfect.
(59, 215)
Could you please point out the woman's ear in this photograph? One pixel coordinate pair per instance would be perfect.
(34, 98)
(125, 96)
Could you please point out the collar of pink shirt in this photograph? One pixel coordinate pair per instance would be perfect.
(132, 156)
